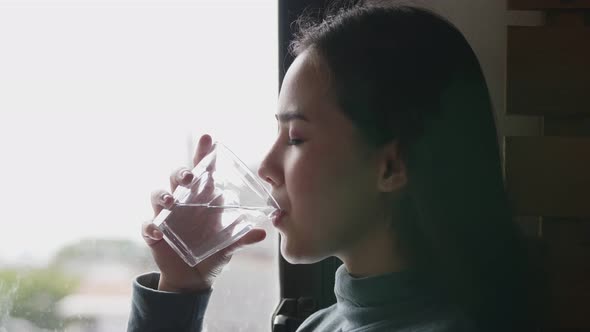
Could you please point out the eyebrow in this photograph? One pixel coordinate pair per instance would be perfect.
(290, 116)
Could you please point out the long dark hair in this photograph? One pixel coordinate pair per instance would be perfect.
(407, 74)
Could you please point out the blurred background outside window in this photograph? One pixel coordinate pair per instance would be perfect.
(100, 100)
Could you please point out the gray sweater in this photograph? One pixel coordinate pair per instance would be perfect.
(394, 302)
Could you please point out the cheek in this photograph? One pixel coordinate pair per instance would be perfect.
(303, 182)
(319, 187)
(325, 192)
(307, 176)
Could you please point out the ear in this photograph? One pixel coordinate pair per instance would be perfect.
(392, 169)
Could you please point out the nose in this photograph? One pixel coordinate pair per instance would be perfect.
(269, 170)
(264, 173)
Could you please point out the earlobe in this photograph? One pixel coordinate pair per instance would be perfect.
(388, 169)
(393, 173)
(393, 176)
(392, 169)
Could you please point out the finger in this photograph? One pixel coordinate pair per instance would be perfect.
(203, 189)
(161, 199)
(253, 236)
(181, 176)
(211, 166)
(150, 233)
(203, 148)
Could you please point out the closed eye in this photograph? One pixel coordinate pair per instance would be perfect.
(295, 142)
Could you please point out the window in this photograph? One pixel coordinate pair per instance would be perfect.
(99, 102)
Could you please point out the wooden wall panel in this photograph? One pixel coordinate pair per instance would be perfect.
(572, 126)
(548, 71)
(568, 272)
(548, 74)
(567, 313)
(548, 176)
(564, 253)
(547, 4)
(528, 225)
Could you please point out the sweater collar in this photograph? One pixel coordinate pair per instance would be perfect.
(381, 290)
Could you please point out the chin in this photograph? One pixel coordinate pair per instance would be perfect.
(303, 255)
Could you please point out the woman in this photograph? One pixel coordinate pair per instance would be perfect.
(387, 158)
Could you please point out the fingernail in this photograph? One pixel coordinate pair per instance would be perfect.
(166, 199)
(157, 235)
(184, 175)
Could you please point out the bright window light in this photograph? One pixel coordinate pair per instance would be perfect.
(99, 102)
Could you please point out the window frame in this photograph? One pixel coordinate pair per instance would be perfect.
(297, 281)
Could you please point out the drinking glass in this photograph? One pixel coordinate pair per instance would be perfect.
(222, 203)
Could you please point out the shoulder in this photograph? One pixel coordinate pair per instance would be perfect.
(452, 325)
(457, 325)
(320, 320)
(328, 319)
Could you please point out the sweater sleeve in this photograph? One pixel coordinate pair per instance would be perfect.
(158, 311)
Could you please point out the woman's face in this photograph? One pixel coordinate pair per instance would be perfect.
(319, 168)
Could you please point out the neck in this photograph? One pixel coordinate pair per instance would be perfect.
(374, 254)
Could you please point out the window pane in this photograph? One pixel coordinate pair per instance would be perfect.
(99, 102)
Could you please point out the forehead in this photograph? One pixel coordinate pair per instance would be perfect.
(306, 88)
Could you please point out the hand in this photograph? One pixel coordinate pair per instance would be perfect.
(175, 274)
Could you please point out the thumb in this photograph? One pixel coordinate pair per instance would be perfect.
(253, 236)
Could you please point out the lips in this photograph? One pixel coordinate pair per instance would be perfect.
(279, 213)
(277, 217)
